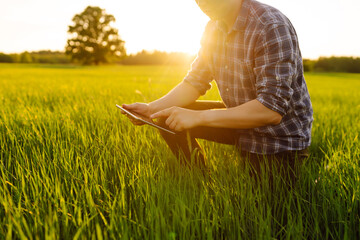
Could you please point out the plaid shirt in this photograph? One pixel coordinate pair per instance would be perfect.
(259, 58)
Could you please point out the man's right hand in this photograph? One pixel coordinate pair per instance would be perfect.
(182, 95)
(139, 108)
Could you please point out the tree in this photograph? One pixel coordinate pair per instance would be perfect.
(25, 57)
(308, 65)
(93, 40)
(4, 58)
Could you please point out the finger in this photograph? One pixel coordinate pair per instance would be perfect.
(123, 112)
(129, 106)
(178, 128)
(164, 114)
(172, 125)
(135, 108)
(133, 119)
(169, 120)
(126, 106)
(136, 122)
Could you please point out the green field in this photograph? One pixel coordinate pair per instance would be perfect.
(73, 167)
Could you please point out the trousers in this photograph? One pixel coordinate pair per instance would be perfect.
(185, 147)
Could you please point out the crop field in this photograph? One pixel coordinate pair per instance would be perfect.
(73, 167)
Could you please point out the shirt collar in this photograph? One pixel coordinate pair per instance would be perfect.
(240, 21)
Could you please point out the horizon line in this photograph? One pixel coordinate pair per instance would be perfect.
(165, 51)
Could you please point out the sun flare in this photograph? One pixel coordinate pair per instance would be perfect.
(178, 27)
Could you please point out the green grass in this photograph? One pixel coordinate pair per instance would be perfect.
(73, 167)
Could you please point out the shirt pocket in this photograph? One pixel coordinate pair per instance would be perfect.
(244, 80)
(244, 73)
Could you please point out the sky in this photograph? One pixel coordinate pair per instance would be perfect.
(324, 27)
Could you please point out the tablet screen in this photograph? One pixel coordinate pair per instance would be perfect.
(144, 119)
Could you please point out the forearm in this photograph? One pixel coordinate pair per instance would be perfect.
(180, 96)
(249, 115)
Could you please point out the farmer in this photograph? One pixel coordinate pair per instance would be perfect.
(252, 52)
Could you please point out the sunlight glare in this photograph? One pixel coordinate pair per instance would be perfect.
(177, 27)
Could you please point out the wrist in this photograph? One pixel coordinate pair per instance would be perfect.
(203, 117)
(152, 107)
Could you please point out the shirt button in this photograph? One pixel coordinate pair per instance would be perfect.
(227, 89)
(226, 67)
(277, 78)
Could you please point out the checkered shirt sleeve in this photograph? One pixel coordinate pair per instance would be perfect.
(275, 65)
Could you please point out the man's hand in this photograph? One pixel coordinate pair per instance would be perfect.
(179, 119)
(139, 108)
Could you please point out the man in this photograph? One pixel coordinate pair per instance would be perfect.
(252, 52)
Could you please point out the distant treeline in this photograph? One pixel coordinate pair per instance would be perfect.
(323, 64)
(333, 64)
(140, 58)
(48, 56)
(158, 58)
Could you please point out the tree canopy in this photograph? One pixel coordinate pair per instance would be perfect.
(93, 39)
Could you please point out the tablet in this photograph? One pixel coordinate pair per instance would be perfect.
(143, 119)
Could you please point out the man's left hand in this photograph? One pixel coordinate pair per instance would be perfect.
(179, 119)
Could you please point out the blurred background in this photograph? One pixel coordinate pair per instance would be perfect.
(326, 28)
